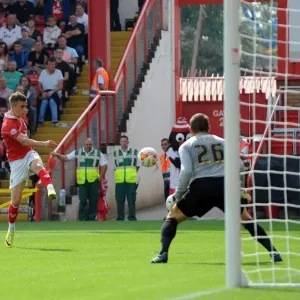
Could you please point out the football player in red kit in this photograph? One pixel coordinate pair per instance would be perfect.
(23, 160)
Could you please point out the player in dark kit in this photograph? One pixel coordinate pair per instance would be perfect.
(201, 187)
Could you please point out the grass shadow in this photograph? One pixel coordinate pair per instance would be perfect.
(254, 263)
(46, 249)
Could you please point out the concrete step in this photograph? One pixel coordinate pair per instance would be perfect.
(48, 124)
(120, 35)
(77, 104)
(82, 92)
(84, 74)
(79, 98)
(43, 151)
(50, 136)
(70, 117)
(83, 86)
(116, 50)
(73, 110)
(46, 130)
(82, 80)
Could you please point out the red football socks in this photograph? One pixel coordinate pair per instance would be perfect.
(45, 177)
(12, 213)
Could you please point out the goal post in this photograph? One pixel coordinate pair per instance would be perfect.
(232, 138)
(262, 61)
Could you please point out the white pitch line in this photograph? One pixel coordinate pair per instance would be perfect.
(199, 294)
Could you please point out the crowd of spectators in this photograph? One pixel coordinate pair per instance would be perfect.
(43, 45)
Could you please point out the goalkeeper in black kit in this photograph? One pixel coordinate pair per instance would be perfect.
(201, 187)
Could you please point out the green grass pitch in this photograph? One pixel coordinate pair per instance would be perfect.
(111, 260)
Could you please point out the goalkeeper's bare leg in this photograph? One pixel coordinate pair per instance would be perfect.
(260, 235)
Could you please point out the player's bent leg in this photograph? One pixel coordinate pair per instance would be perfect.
(260, 235)
(13, 209)
(168, 232)
(37, 167)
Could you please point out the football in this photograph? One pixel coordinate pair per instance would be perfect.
(148, 157)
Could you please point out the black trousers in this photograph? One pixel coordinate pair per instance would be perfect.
(166, 189)
(140, 4)
(115, 24)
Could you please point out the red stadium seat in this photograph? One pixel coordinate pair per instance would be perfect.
(34, 79)
(39, 20)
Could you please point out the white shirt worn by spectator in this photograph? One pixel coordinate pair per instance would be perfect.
(174, 172)
(102, 162)
(51, 33)
(100, 78)
(50, 81)
(84, 19)
(10, 36)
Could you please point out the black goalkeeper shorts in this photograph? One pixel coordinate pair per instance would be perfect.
(203, 195)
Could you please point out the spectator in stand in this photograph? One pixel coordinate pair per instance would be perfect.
(6, 5)
(63, 67)
(20, 89)
(82, 17)
(58, 8)
(3, 21)
(71, 57)
(74, 33)
(19, 56)
(26, 41)
(3, 57)
(51, 33)
(50, 85)
(115, 24)
(23, 10)
(140, 4)
(37, 59)
(11, 32)
(30, 93)
(12, 76)
(38, 5)
(5, 92)
(101, 78)
(74, 3)
(165, 166)
(3, 110)
(62, 25)
(33, 32)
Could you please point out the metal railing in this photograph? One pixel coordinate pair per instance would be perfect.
(136, 53)
(98, 121)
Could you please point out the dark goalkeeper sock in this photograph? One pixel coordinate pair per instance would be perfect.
(263, 238)
(168, 232)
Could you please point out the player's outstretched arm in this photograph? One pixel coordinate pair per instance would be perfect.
(25, 140)
(60, 156)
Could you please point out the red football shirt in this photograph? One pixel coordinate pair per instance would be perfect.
(57, 10)
(11, 128)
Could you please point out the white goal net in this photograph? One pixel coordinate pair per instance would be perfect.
(262, 51)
